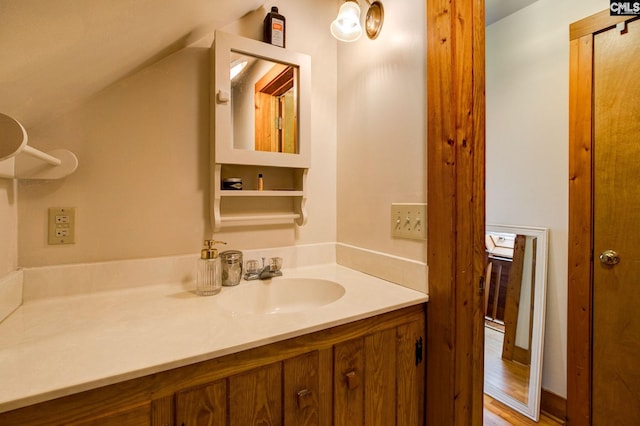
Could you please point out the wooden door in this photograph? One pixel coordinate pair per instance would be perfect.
(616, 288)
(456, 219)
(603, 380)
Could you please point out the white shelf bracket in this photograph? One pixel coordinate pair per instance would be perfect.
(21, 161)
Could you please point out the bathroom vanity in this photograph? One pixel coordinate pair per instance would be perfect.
(159, 355)
(369, 369)
(140, 352)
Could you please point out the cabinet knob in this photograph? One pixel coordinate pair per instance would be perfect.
(305, 398)
(353, 379)
(223, 97)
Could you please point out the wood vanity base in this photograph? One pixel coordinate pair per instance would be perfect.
(369, 371)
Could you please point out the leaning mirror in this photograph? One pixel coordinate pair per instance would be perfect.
(261, 108)
(516, 280)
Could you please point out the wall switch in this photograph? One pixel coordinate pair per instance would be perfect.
(62, 223)
(409, 220)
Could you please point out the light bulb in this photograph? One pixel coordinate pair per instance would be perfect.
(346, 26)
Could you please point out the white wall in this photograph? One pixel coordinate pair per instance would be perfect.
(141, 188)
(382, 129)
(8, 227)
(527, 144)
(138, 121)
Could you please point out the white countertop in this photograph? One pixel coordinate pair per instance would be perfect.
(59, 346)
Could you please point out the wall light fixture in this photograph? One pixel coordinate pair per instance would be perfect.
(346, 27)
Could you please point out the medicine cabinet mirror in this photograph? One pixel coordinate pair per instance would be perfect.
(261, 96)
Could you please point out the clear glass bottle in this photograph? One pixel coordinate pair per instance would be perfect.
(209, 274)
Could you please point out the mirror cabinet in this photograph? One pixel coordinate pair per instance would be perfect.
(260, 133)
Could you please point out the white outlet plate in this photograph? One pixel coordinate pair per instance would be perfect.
(409, 220)
(62, 224)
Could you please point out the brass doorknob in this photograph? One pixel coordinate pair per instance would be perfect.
(609, 257)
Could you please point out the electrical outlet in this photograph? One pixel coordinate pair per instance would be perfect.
(408, 220)
(62, 224)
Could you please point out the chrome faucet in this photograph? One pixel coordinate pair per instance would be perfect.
(272, 269)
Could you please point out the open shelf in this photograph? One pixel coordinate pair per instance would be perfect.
(250, 207)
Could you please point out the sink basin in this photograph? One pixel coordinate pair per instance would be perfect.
(280, 295)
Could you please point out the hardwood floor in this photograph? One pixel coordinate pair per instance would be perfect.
(498, 414)
(509, 376)
(512, 378)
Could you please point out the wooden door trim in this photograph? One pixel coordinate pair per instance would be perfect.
(456, 224)
(593, 24)
(580, 256)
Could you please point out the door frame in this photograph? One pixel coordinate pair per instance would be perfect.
(580, 256)
(456, 219)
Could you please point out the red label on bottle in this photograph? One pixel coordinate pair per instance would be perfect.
(277, 32)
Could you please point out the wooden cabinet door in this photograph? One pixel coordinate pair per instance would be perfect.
(301, 390)
(348, 390)
(410, 374)
(380, 378)
(204, 406)
(255, 397)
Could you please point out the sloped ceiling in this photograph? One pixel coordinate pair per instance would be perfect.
(498, 9)
(56, 53)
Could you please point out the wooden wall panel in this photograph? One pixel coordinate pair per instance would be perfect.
(455, 152)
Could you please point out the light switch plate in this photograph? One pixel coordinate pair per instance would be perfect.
(62, 225)
(409, 220)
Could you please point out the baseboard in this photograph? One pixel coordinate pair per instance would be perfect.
(553, 405)
(521, 355)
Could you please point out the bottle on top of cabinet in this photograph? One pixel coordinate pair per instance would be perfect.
(274, 28)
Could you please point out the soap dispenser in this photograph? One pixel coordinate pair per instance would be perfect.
(209, 275)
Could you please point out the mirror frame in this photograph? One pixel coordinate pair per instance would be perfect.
(532, 408)
(223, 151)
